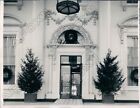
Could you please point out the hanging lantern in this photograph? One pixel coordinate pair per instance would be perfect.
(67, 6)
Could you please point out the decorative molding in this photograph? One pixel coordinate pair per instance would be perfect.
(131, 22)
(11, 16)
(70, 45)
(121, 34)
(13, 21)
(19, 4)
(50, 15)
(126, 5)
(53, 44)
(80, 29)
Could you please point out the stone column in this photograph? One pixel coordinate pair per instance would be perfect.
(87, 71)
(1, 47)
(91, 72)
(50, 73)
(90, 68)
(104, 27)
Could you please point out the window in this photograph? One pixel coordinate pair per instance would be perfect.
(9, 58)
(132, 61)
(71, 37)
(17, 3)
(129, 3)
(10, 1)
(132, 1)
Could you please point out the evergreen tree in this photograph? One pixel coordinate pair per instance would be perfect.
(30, 79)
(109, 77)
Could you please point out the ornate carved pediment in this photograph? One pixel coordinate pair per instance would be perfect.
(131, 22)
(79, 29)
(83, 40)
(13, 21)
(10, 20)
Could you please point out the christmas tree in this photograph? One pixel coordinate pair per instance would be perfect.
(109, 77)
(30, 79)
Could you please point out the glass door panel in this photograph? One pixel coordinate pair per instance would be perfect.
(65, 81)
(76, 86)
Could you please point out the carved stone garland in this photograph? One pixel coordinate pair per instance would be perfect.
(50, 15)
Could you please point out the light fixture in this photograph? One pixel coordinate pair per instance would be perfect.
(67, 6)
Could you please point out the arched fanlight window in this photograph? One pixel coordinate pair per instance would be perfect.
(70, 37)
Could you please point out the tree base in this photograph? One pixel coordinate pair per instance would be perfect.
(107, 98)
(30, 97)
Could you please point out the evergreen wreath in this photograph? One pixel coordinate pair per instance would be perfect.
(71, 37)
(133, 75)
(7, 74)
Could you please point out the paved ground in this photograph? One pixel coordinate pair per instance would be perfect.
(70, 106)
(63, 102)
(68, 103)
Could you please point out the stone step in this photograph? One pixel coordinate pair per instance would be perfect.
(69, 101)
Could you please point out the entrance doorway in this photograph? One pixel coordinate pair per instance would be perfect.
(70, 77)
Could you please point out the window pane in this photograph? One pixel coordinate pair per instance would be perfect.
(9, 57)
(132, 58)
(131, 77)
(71, 60)
(9, 78)
(65, 80)
(132, 1)
(64, 59)
(10, 0)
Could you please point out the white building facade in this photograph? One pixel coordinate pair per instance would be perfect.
(99, 26)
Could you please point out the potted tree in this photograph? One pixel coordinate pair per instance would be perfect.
(30, 79)
(109, 78)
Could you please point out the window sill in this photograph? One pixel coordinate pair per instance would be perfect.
(9, 86)
(135, 88)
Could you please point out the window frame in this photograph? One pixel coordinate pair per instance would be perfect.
(127, 32)
(131, 2)
(13, 30)
(125, 5)
(15, 35)
(136, 36)
(19, 4)
(13, 3)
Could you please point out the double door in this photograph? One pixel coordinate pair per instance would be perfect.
(71, 77)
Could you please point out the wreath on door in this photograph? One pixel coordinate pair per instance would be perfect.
(7, 74)
(71, 37)
(134, 75)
